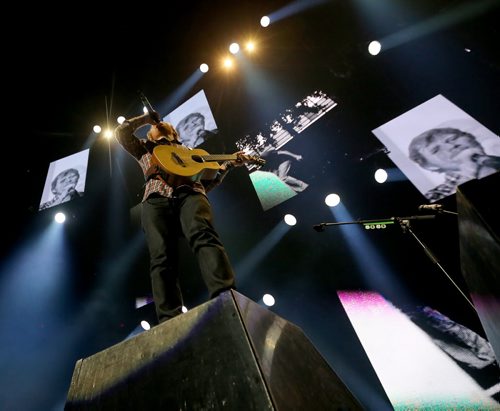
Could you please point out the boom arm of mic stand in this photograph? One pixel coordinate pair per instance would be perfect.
(404, 222)
(391, 220)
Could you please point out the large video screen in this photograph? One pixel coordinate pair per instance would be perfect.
(275, 182)
(438, 146)
(65, 180)
(424, 359)
(193, 120)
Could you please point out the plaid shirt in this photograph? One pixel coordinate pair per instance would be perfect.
(141, 150)
(449, 187)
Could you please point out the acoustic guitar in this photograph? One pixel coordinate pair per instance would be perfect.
(182, 165)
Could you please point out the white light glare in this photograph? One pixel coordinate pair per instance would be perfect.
(264, 21)
(184, 309)
(203, 67)
(97, 129)
(250, 46)
(268, 300)
(60, 218)
(145, 325)
(228, 62)
(380, 176)
(234, 48)
(120, 119)
(108, 133)
(331, 200)
(374, 48)
(290, 219)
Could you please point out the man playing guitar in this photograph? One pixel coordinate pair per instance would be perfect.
(178, 207)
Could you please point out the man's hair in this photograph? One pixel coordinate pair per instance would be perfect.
(183, 122)
(168, 127)
(63, 174)
(424, 139)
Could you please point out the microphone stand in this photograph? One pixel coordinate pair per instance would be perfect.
(404, 223)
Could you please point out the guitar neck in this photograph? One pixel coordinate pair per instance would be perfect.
(219, 157)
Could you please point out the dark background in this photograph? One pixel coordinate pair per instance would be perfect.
(81, 67)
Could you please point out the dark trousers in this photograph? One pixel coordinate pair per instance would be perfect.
(164, 221)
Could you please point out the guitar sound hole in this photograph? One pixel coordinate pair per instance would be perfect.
(198, 159)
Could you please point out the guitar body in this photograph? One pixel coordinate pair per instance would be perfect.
(183, 165)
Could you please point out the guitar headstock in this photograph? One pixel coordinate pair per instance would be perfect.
(257, 161)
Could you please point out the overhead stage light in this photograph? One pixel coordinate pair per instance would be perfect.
(234, 48)
(204, 67)
(331, 200)
(97, 129)
(374, 48)
(60, 218)
(228, 62)
(380, 176)
(120, 119)
(290, 219)
(264, 21)
(250, 46)
(268, 300)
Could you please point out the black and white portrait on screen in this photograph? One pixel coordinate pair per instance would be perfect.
(194, 121)
(438, 146)
(65, 180)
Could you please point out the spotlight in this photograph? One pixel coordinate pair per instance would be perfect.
(250, 46)
(290, 219)
(264, 21)
(380, 176)
(97, 129)
(184, 309)
(145, 325)
(234, 48)
(331, 200)
(228, 62)
(120, 119)
(108, 133)
(204, 67)
(374, 48)
(60, 218)
(268, 300)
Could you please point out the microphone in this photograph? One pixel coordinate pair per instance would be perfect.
(432, 207)
(319, 227)
(153, 114)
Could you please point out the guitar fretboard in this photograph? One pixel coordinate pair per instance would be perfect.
(219, 157)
